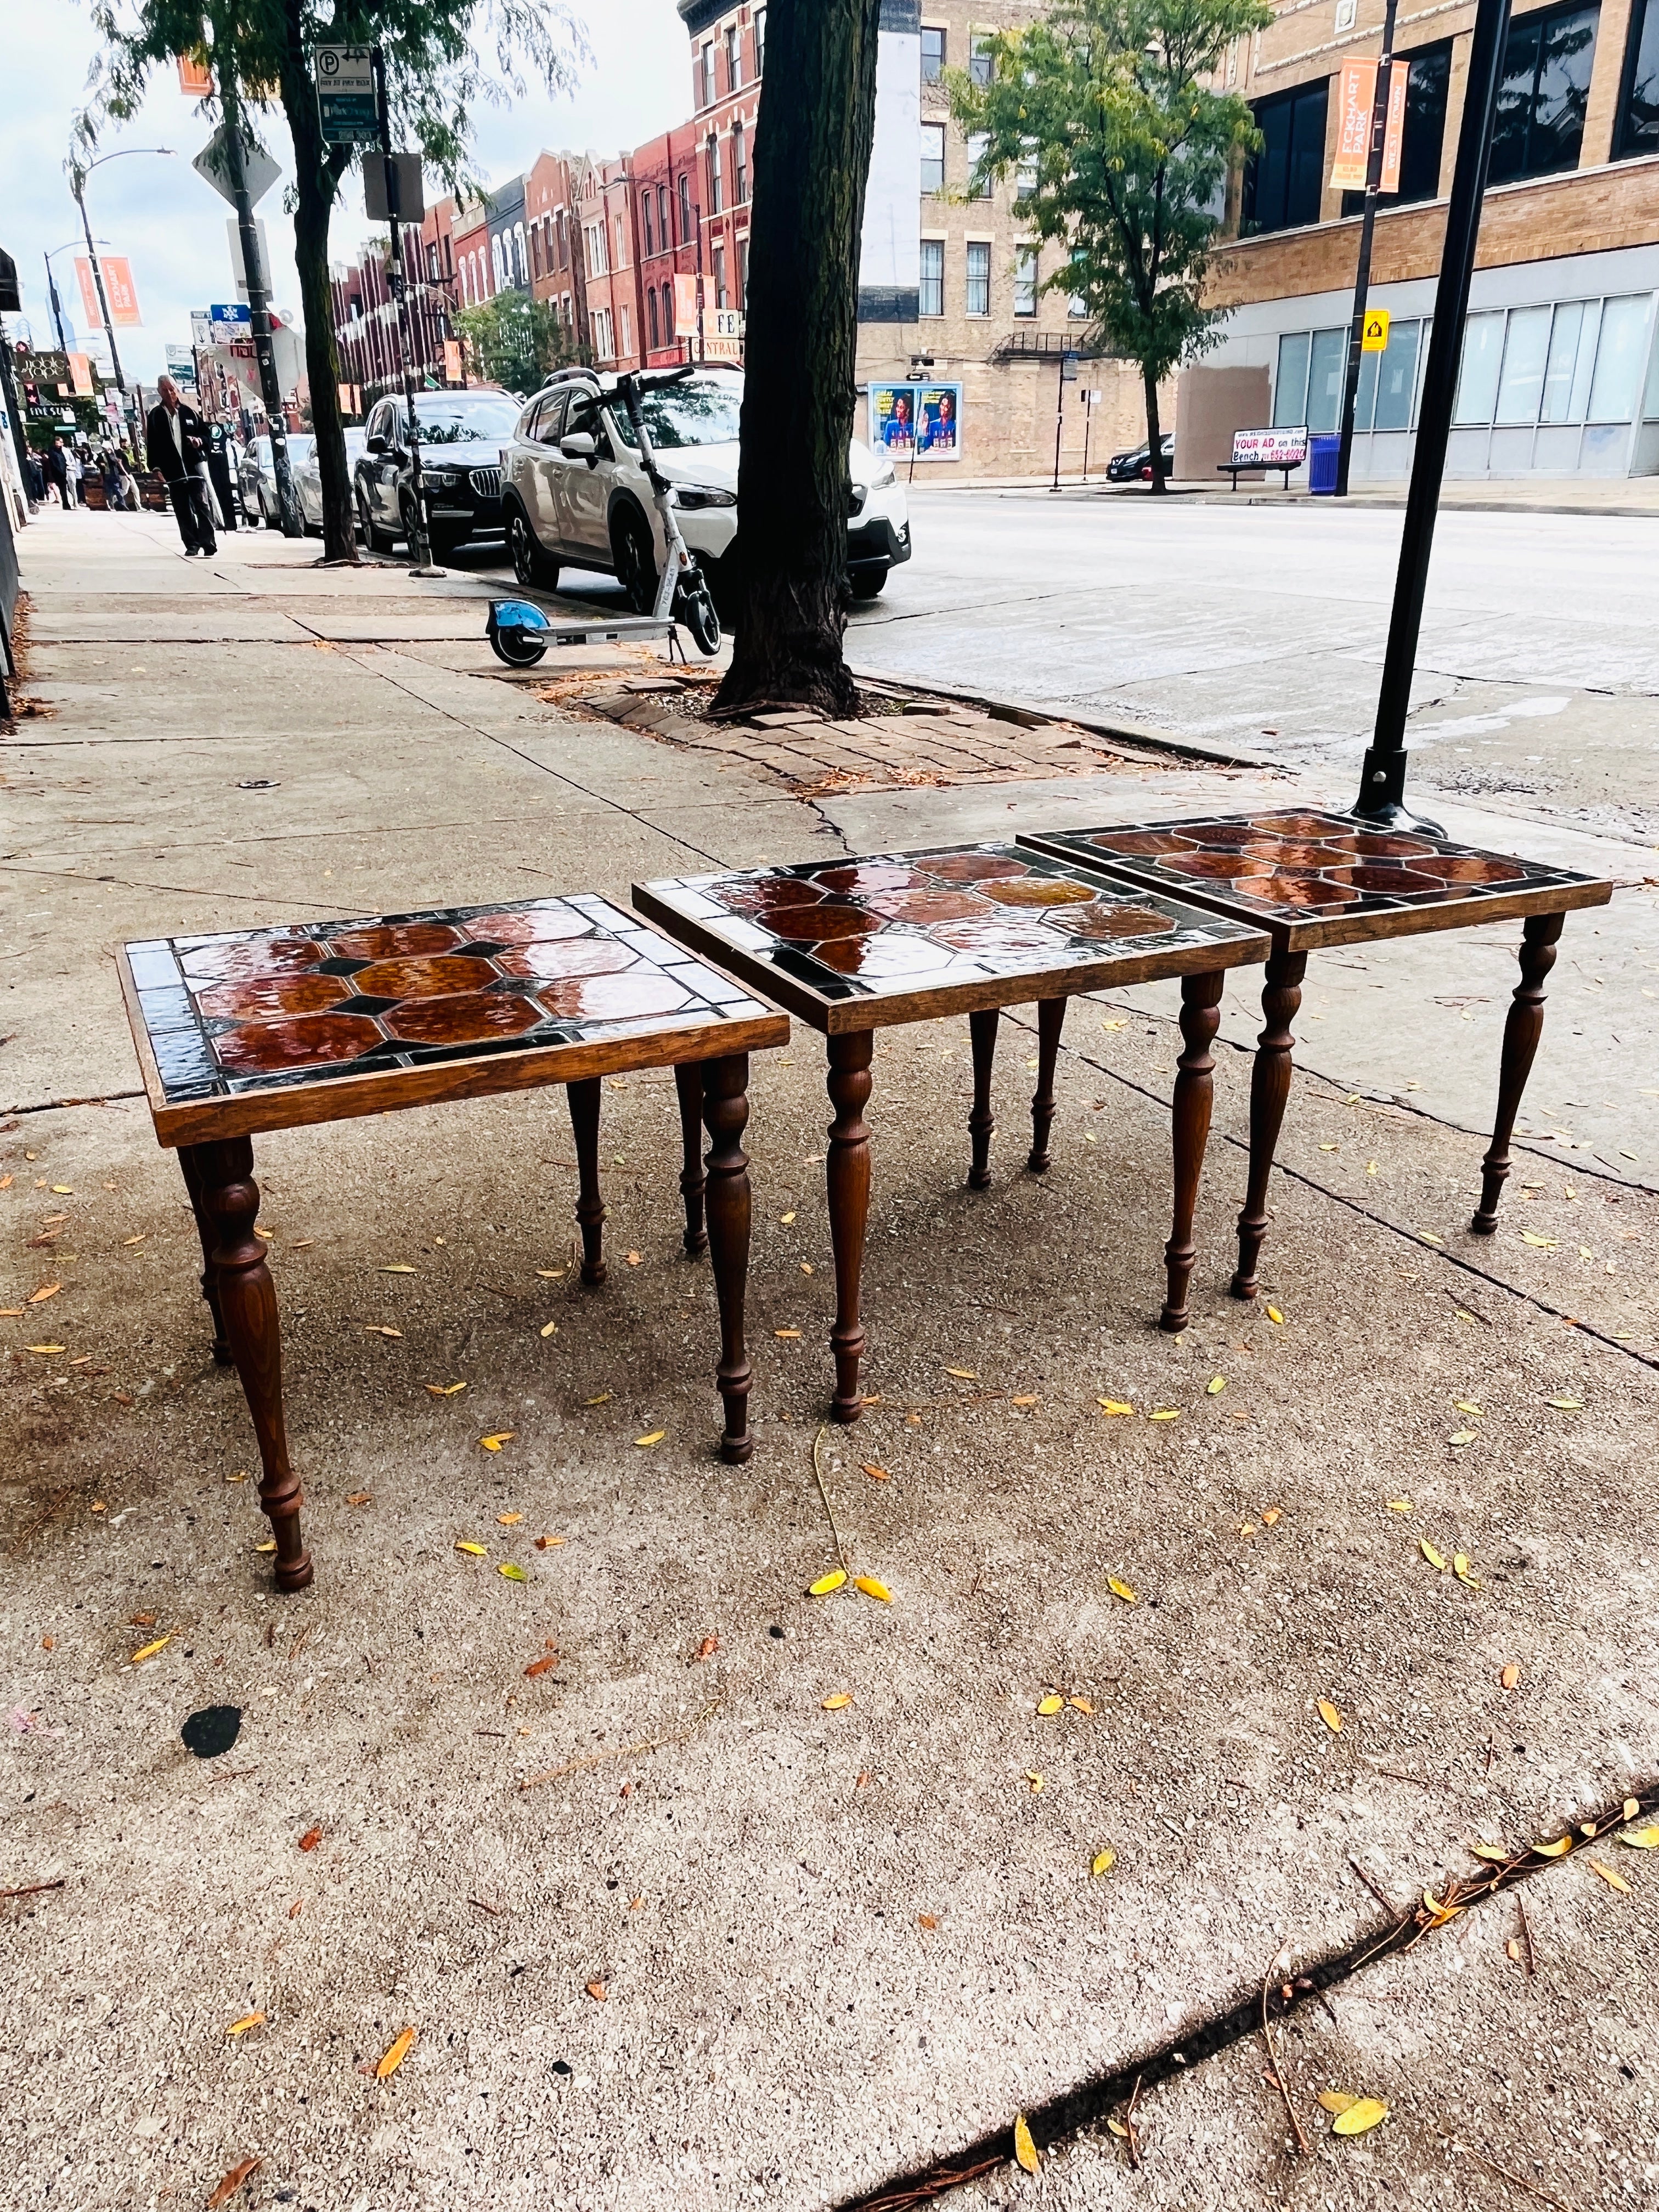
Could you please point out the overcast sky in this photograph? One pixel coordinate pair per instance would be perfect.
(171, 225)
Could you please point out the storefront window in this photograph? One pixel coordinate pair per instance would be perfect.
(1477, 376)
(1624, 325)
(1397, 377)
(1330, 359)
(1291, 385)
(1526, 348)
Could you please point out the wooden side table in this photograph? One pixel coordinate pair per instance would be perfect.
(854, 946)
(277, 1029)
(1313, 879)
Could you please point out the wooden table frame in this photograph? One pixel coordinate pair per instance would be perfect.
(848, 1024)
(1539, 897)
(213, 1136)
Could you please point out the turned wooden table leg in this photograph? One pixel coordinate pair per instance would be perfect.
(583, 1100)
(247, 1301)
(1522, 1030)
(848, 1177)
(1201, 1014)
(724, 1090)
(1051, 1019)
(190, 1162)
(689, 1083)
(1270, 1088)
(982, 1037)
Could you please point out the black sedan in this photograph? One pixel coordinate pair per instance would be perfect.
(462, 435)
(1137, 467)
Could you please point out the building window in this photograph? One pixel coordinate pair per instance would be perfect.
(978, 299)
(1076, 305)
(742, 273)
(1543, 95)
(978, 185)
(930, 297)
(627, 333)
(622, 245)
(760, 42)
(933, 55)
(740, 166)
(645, 211)
(733, 59)
(933, 157)
(1025, 280)
(1282, 181)
(564, 242)
(1424, 133)
(981, 62)
(667, 314)
(651, 317)
(716, 198)
(662, 216)
(708, 74)
(721, 299)
(685, 208)
(1025, 178)
(600, 320)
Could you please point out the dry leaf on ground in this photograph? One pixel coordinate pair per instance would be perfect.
(512, 1571)
(1024, 2149)
(395, 2056)
(655, 1436)
(1432, 1555)
(150, 1651)
(1113, 1405)
(1337, 2100)
(1641, 1839)
(1330, 1716)
(231, 2182)
(1612, 1880)
(1360, 2118)
(311, 1839)
(598, 1990)
(1104, 1860)
(445, 1389)
(872, 1588)
(493, 1444)
(1122, 1590)
(544, 1665)
(476, 1551)
(248, 2019)
(1511, 1675)
(1051, 1703)
(837, 1701)
(825, 1583)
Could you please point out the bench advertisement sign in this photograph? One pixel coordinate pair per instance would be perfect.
(1269, 449)
(923, 421)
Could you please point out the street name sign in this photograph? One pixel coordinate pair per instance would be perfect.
(345, 96)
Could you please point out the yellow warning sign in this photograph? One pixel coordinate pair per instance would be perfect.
(1376, 338)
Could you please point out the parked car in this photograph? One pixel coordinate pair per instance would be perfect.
(575, 495)
(308, 481)
(463, 438)
(1137, 467)
(256, 477)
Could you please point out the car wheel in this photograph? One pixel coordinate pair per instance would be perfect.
(635, 560)
(530, 565)
(372, 537)
(868, 583)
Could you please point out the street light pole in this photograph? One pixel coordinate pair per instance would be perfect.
(1382, 778)
(57, 306)
(258, 302)
(1362, 281)
(420, 549)
(78, 186)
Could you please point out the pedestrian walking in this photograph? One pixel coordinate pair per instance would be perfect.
(78, 469)
(57, 468)
(175, 441)
(37, 479)
(114, 491)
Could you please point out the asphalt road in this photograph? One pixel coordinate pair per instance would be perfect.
(1538, 676)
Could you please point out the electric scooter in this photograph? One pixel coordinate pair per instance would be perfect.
(520, 632)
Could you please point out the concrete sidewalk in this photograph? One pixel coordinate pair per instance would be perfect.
(662, 1922)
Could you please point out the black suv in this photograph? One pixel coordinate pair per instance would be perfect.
(463, 434)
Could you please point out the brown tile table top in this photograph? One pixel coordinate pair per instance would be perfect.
(902, 937)
(1313, 878)
(319, 1021)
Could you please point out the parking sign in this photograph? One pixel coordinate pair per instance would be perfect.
(345, 96)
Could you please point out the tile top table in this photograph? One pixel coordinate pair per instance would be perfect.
(854, 945)
(274, 1029)
(1312, 878)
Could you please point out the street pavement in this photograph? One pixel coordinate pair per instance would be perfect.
(663, 1922)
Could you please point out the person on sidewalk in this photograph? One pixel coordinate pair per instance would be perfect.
(78, 469)
(57, 468)
(175, 444)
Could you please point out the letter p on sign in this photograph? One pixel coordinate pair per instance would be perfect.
(1375, 339)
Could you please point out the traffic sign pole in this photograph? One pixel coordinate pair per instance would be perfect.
(259, 305)
(1362, 281)
(419, 548)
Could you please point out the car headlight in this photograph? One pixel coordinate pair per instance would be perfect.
(442, 479)
(690, 495)
(884, 476)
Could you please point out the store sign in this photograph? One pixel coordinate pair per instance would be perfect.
(345, 96)
(921, 421)
(50, 369)
(1356, 99)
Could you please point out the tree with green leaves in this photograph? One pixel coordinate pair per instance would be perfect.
(1113, 103)
(812, 141)
(516, 341)
(442, 57)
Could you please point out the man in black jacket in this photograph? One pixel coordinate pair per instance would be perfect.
(175, 444)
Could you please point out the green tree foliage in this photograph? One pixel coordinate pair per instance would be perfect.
(1114, 103)
(513, 340)
(442, 59)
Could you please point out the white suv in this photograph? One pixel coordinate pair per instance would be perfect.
(574, 492)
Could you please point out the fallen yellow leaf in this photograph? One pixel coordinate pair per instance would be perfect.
(1400, 1505)
(1215, 1386)
(1329, 1714)
(1079, 1704)
(1463, 1437)
(1024, 2149)
(1360, 2118)
(1566, 1405)
(1431, 1554)
(1494, 1854)
(1442, 1912)
(476, 1550)
(1032, 1400)
(1165, 1413)
(1104, 1862)
(509, 1520)
(150, 1649)
(1337, 2100)
(46, 1350)
(1510, 1675)
(398, 1267)
(501, 1436)
(1122, 1589)
(825, 1583)
(63, 1190)
(963, 1374)
(655, 1438)
(1035, 1781)
(1275, 1316)
(247, 2021)
(837, 1701)
(39, 1297)
(512, 1570)
(549, 1274)
(445, 1389)
(550, 1329)
(1641, 1839)
(1113, 1406)
(395, 2057)
(604, 1399)
(1461, 1568)
(872, 1588)
(1119, 2130)
(1539, 1243)
(876, 1474)
(1612, 1880)
(1465, 1406)
(1558, 1850)
(1270, 1514)
(786, 1218)
(1051, 1703)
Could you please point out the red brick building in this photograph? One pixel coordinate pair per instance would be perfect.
(728, 57)
(664, 192)
(552, 194)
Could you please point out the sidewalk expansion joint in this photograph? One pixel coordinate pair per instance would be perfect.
(1286, 1990)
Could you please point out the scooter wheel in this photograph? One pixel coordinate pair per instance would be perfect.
(519, 653)
(697, 611)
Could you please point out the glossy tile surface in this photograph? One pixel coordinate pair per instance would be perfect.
(899, 923)
(1286, 870)
(268, 1009)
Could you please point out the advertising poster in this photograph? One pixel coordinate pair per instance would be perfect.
(922, 421)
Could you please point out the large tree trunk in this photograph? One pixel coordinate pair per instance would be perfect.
(1154, 434)
(811, 160)
(317, 173)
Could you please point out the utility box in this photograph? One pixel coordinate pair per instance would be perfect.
(1211, 404)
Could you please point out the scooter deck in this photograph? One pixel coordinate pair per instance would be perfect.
(608, 632)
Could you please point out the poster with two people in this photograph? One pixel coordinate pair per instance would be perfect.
(916, 421)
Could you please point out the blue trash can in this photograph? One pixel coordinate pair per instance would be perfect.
(1322, 453)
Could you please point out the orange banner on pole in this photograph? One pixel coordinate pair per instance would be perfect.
(120, 291)
(89, 307)
(195, 77)
(1356, 103)
(685, 307)
(81, 370)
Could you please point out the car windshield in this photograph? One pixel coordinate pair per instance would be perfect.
(487, 420)
(300, 450)
(702, 412)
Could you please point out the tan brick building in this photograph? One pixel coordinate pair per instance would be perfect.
(1560, 373)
